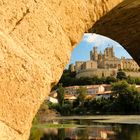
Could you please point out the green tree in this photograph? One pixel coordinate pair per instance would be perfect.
(36, 134)
(126, 97)
(131, 80)
(110, 79)
(120, 87)
(60, 94)
(67, 79)
(121, 75)
(82, 92)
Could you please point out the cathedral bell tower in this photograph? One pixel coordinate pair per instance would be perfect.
(94, 54)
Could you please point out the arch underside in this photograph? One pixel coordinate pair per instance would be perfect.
(122, 24)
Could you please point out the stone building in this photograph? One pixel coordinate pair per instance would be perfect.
(104, 64)
(106, 60)
(129, 64)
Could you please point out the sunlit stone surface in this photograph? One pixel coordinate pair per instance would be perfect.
(36, 39)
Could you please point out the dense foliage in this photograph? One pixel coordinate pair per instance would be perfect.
(121, 75)
(125, 99)
(68, 79)
(60, 94)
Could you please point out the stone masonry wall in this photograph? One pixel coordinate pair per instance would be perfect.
(36, 40)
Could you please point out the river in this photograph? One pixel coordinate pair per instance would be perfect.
(88, 128)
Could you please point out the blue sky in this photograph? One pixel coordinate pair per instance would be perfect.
(82, 51)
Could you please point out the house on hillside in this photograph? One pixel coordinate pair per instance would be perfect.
(91, 89)
(70, 98)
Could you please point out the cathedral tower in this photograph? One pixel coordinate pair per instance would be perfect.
(94, 54)
(109, 53)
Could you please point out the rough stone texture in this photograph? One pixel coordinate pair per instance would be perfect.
(123, 25)
(36, 39)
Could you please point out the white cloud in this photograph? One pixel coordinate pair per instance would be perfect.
(100, 40)
(89, 38)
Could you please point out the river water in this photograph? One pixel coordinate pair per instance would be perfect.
(89, 128)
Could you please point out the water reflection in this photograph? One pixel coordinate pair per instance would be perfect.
(87, 130)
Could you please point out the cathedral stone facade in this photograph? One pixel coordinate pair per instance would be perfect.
(103, 64)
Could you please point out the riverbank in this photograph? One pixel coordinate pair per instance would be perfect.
(121, 119)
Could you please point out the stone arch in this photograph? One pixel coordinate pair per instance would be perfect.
(122, 25)
(36, 39)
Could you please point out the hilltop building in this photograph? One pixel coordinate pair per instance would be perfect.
(104, 64)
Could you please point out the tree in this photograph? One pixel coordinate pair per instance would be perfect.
(120, 87)
(60, 94)
(82, 92)
(36, 134)
(121, 75)
(126, 97)
(110, 79)
(131, 80)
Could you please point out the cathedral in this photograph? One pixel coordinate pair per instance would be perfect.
(106, 60)
(104, 64)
